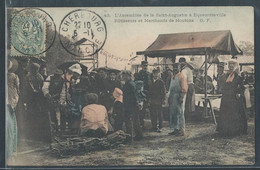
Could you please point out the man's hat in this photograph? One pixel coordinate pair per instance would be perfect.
(175, 66)
(126, 72)
(232, 61)
(35, 66)
(182, 60)
(102, 69)
(58, 72)
(139, 83)
(221, 64)
(114, 71)
(155, 71)
(144, 63)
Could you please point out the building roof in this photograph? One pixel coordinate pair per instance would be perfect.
(192, 43)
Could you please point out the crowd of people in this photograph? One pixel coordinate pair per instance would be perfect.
(104, 100)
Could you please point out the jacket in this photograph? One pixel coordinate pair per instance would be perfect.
(94, 116)
(157, 92)
(130, 97)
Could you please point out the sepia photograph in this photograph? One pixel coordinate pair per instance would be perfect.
(130, 86)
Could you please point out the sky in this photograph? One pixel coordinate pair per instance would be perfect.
(125, 39)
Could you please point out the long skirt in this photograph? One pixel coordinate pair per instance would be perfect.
(190, 100)
(11, 132)
(232, 116)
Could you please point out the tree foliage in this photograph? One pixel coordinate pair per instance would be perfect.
(247, 47)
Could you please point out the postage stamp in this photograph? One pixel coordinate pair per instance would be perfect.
(85, 31)
(28, 32)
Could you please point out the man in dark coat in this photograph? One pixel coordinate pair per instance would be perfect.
(144, 76)
(113, 83)
(37, 122)
(93, 82)
(157, 96)
(103, 91)
(131, 106)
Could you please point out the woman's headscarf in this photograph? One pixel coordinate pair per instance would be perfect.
(235, 69)
(34, 68)
(118, 95)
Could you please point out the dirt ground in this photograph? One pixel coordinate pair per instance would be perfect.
(200, 146)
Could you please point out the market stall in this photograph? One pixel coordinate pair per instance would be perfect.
(210, 44)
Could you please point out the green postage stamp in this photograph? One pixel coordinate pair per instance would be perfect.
(28, 32)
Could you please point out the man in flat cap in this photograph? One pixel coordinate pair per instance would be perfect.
(144, 76)
(157, 96)
(131, 106)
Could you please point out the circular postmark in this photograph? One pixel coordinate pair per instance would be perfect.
(33, 31)
(82, 33)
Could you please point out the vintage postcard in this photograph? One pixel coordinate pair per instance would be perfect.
(130, 86)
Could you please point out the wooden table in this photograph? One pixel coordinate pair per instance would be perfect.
(209, 98)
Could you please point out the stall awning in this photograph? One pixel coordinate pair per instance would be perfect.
(192, 43)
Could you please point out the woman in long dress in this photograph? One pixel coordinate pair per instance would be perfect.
(11, 124)
(232, 111)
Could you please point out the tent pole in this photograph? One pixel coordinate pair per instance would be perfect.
(206, 88)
